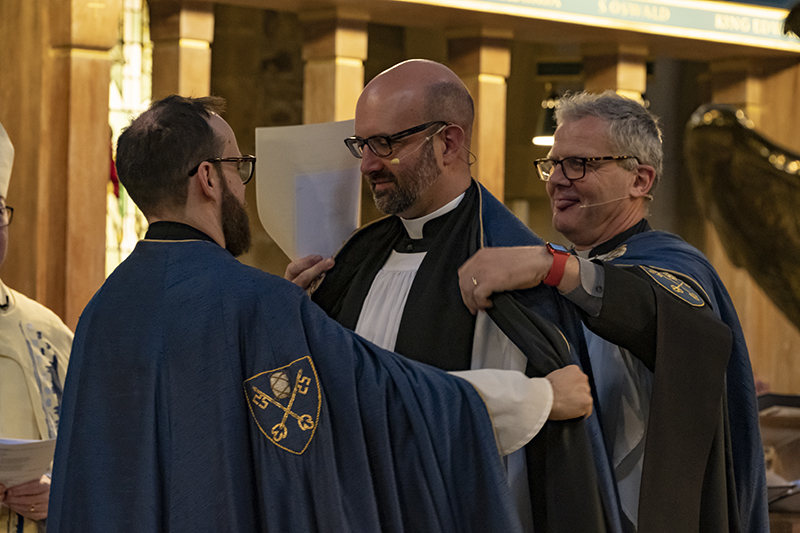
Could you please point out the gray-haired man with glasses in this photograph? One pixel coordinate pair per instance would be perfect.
(34, 353)
(670, 365)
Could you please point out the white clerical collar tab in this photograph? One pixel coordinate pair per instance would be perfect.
(414, 226)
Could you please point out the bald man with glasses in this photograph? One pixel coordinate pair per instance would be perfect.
(395, 282)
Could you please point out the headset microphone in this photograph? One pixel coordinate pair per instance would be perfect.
(396, 160)
(584, 206)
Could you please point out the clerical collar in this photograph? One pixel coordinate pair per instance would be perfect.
(414, 227)
(618, 239)
(175, 231)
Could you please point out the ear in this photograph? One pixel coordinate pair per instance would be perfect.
(207, 181)
(645, 177)
(453, 137)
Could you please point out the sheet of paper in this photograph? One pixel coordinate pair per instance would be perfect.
(327, 211)
(24, 460)
(307, 187)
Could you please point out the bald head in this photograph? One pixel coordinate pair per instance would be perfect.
(417, 91)
(428, 167)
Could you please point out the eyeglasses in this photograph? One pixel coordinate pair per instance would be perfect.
(246, 165)
(381, 145)
(6, 214)
(574, 168)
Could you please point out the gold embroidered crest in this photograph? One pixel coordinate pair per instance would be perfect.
(675, 285)
(285, 403)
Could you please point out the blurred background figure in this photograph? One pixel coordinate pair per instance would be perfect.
(34, 352)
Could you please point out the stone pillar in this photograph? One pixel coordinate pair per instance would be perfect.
(74, 156)
(619, 67)
(482, 58)
(334, 50)
(23, 42)
(737, 82)
(182, 33)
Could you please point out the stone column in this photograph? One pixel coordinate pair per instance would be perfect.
(74, 156)
(334, 50)
(737, 82)
(619, 67)
(23, 45)
(482, 58)
(182, 33)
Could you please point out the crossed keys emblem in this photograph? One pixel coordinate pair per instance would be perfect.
(675, 285)
(303, 405)
(304, 422)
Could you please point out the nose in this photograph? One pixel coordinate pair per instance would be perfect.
(557, 177)
(370, 162)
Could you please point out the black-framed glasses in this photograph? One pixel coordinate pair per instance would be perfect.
(574, 168)
(381, 145)
(246, 165)
(6, 214)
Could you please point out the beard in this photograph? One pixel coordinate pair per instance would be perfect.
(235, 223)
(408, 184)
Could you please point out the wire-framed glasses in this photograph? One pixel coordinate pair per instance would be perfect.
(246, 165)
(574, 168)
(381, 145)
(6, 214)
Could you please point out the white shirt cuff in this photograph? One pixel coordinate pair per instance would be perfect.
(518, 405)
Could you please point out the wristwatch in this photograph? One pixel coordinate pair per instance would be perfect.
(560, 256)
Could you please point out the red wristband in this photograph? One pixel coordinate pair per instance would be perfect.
(560, 256)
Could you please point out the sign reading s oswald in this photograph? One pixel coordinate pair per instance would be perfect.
(727, 22)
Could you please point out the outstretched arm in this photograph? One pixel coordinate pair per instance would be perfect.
(493, 270)
(519, 406)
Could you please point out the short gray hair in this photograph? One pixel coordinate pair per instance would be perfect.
(632, 129)
(450, 102)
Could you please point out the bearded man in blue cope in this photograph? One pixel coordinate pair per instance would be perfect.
(396, 283)
(205, 395)
(676, 395)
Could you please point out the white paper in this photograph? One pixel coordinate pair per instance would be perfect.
(24, 460)
(327, 211)
(307, 187)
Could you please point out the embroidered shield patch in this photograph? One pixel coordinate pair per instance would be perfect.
(675, 285)
(285, 403)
